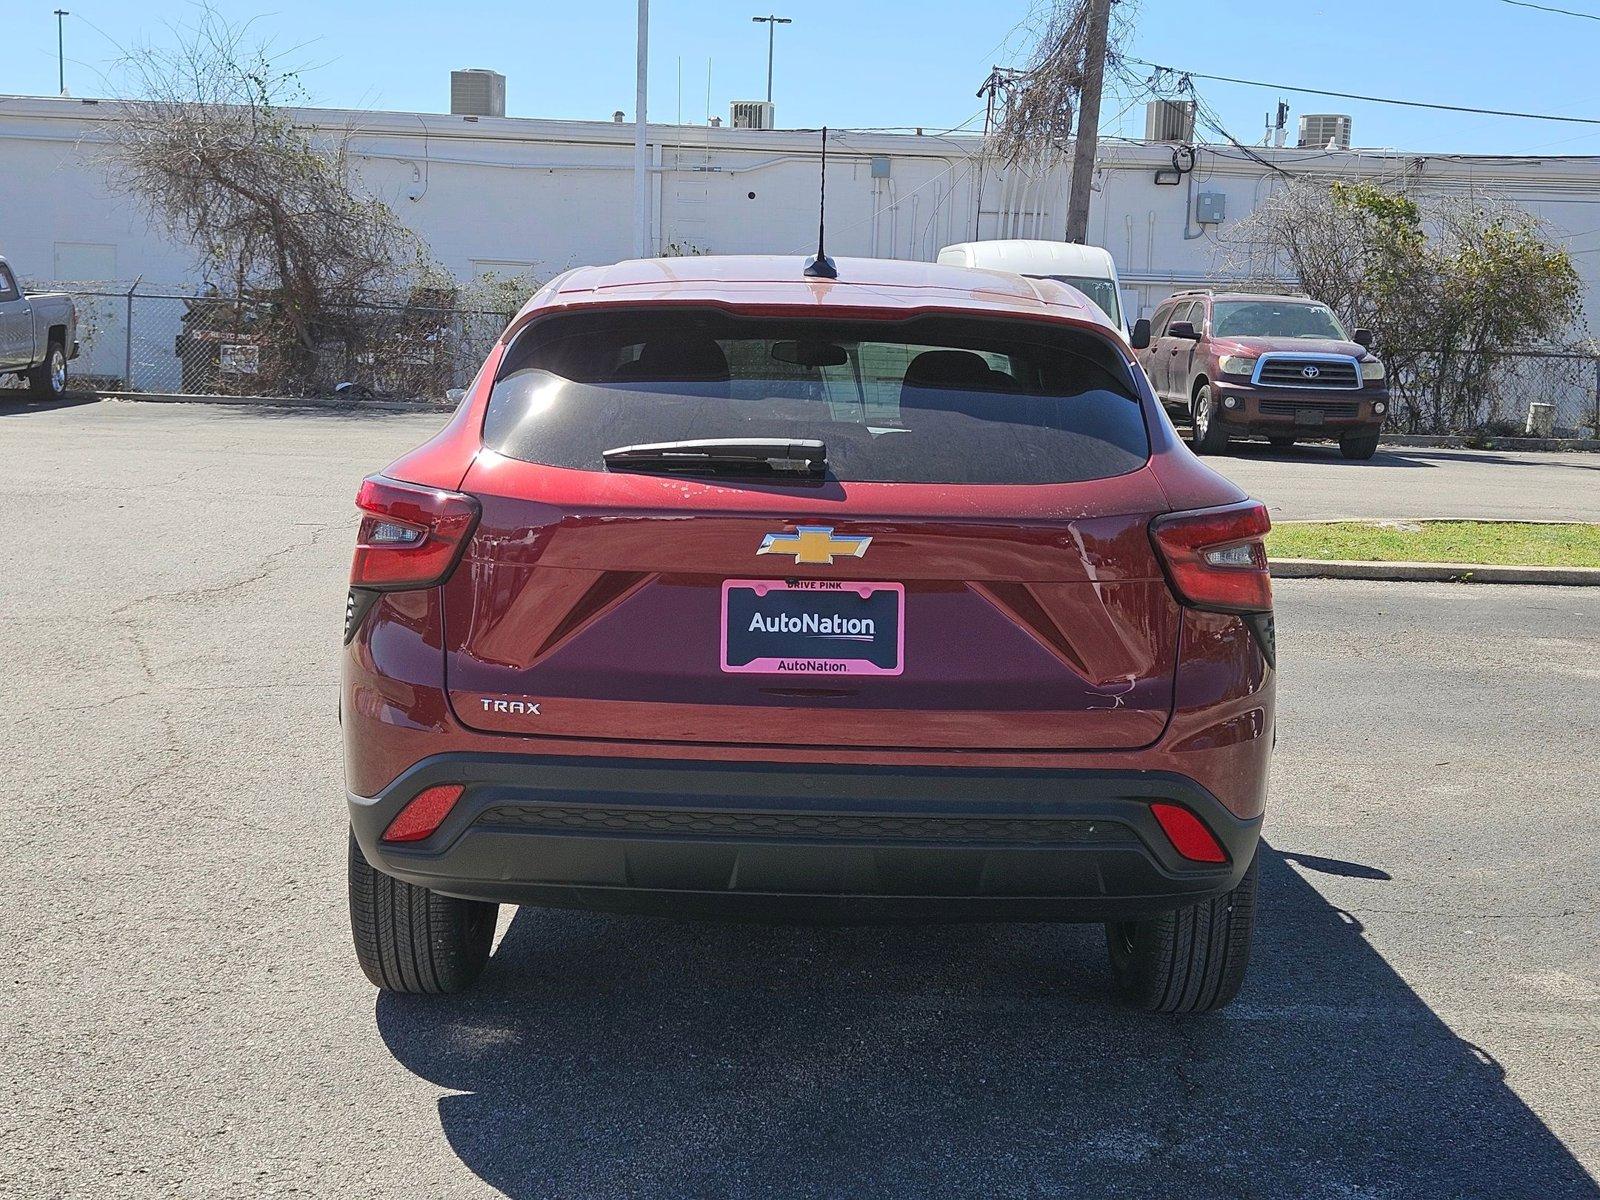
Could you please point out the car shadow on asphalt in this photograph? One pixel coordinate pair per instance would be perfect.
(374, 411)
(1570, 460)
(17, 403)
(604, 1055)
(1317, 454)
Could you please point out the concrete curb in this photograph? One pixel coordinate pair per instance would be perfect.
(1423, 572)
(325, 402)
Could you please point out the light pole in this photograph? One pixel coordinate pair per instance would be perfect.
(61, 58)
(641, 161)
(772, 24)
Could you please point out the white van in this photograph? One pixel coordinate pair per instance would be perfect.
(1087, 268)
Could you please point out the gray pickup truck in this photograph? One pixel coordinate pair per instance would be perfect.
(38, 335)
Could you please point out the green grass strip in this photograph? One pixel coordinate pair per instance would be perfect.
(1496, 543)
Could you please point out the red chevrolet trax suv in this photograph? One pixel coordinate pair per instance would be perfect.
(731, 591)
(1280, 367)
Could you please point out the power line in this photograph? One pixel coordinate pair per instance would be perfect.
(1212, 118)
(1203, 112)
(1208, 116)
(1565, 12)
(1458, 108)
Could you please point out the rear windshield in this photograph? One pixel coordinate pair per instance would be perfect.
(933, 400)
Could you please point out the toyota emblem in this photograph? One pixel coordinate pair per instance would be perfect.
(1310, 372)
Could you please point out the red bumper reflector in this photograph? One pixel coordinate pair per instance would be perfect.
(1188, 834)
(425, 813)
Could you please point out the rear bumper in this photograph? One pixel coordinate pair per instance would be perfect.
(846, 842)
(1282, 411)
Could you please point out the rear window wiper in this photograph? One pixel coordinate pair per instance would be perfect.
(723, 456)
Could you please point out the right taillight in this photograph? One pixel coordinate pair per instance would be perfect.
(410, 536)
(1215, 557)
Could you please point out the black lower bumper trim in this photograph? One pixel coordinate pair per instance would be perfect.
(818, 841)
(809, 827)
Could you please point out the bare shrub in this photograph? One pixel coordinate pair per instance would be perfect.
(205, 139)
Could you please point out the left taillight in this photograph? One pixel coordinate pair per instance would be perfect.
(1216, 558)
(410, 536)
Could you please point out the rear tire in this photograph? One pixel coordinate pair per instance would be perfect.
(409, 939)
(48, 381)
(1359, 446)
(1209, 437)
(1189, 961)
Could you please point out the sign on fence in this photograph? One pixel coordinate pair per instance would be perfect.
(241, 360)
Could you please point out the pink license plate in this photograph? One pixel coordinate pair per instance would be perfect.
(813, 627)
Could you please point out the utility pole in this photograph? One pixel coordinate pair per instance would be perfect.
(641, 154)
(1088, 139)
(61, 57)
(772, 24)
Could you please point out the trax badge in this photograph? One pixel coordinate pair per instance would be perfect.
(814, 544)
(523, 707)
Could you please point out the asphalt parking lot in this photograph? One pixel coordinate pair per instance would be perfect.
(184, 1016)
(1315, 482)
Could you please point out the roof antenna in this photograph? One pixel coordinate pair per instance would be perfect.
(821, 267)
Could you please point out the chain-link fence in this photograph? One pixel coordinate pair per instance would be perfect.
(231, 345)
(243, 346)
(1534, 392)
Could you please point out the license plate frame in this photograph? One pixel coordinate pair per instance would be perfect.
(1309, 416)
(823, 650)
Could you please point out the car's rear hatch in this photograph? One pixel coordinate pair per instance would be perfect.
(1039, 633)
(674, 609)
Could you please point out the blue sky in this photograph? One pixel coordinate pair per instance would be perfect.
(890, 62)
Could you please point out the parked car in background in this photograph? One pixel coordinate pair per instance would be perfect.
(1237, 364)
(1088, 268)
(38, 335)
(723, 592)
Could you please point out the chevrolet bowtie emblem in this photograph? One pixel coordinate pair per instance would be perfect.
(814, 544)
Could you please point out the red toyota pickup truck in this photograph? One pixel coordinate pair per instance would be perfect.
(1281, 367)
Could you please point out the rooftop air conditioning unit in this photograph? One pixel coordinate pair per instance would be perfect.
(752, 114)
(1318, 129)
(1169, 121)
(477, 93)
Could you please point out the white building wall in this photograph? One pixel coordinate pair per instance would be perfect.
(510, 193)
(541, 196)
(1143, 223)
